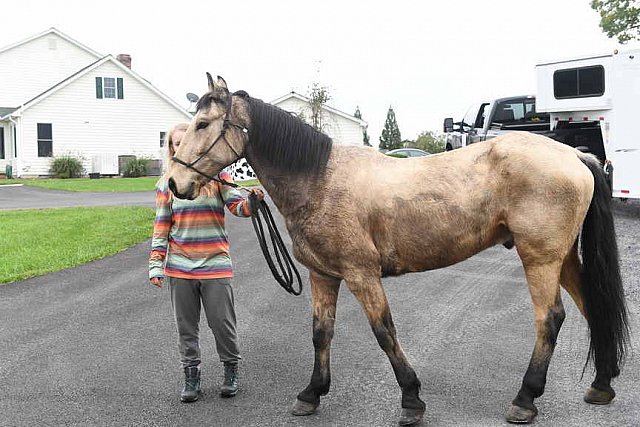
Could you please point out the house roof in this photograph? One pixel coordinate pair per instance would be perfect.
(78, 74)
(5, 111)
(303, 98)
(59, 33)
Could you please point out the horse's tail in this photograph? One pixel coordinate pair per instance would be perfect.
(602, 291)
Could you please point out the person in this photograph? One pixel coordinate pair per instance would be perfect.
(190, 249)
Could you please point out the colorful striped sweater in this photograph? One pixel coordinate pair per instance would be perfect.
(189, 237)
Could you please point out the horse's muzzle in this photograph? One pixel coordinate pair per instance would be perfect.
(174, 189)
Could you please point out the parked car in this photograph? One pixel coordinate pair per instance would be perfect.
(407, 152)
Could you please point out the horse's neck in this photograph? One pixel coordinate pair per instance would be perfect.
(289, 193)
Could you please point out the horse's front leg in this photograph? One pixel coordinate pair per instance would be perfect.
(371, 295)
(324, 293)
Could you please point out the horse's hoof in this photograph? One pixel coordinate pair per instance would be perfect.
(520, 415)
(599, 397)
(301, 408)
(410, 417)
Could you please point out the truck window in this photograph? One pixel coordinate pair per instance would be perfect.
(482, 114)
(471, 115)
(581, 82)
(518, 111)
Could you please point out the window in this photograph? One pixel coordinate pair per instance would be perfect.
(579, 82)
(163, 135)
(109, 88)
(45, 140)
(1, 142)
(518, 111)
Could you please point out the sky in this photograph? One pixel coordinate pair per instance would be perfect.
(427, 60)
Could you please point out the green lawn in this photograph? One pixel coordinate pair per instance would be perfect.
(40, 241)
(102, 184)
(147, 183)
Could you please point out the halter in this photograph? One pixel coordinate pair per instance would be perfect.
(285, 269)
(226, 124)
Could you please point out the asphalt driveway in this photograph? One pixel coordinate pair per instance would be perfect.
(96, 346)
(25, 197)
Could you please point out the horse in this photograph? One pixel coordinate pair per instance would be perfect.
(347, 208)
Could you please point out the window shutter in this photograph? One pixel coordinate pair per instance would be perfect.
(99, 87)
(120, 89)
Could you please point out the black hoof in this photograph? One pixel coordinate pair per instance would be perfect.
(301, 408)
(599, 397)
(520, 415)
(410, 417)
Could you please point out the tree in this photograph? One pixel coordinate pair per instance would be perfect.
(619, 18)
(365, 136)
(318, 96)
(429, 142)
(390, 138)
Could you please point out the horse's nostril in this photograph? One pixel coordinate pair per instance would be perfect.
(172, 185)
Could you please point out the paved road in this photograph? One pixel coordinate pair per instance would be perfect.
(25, 197)
(95, 346)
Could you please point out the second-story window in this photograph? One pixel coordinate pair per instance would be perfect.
(109, 88)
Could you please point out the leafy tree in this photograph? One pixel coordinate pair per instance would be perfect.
(318, 96)
(619, 18)
(365, 136)
(429, 142)
(390, 138)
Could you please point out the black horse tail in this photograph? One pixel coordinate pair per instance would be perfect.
(602, 291)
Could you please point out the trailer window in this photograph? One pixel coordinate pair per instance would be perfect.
(582, 82)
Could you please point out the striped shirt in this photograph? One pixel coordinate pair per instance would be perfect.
(189, 238)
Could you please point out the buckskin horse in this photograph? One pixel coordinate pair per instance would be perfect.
(346, 209)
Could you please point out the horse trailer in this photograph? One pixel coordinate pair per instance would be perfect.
(592, 102)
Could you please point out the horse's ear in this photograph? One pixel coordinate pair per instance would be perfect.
(222, 83)
(210, 81)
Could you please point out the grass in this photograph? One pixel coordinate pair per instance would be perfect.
(147, 183)
(36, 242)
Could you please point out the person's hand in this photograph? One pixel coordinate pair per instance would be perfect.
(259, 194)
(156, 281)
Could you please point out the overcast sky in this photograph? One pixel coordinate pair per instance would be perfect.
(428, 60)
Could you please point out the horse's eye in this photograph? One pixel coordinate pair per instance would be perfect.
(202, 125)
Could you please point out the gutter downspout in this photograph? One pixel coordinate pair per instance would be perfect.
(17, 143)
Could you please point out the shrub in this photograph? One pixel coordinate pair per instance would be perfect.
(400, 156)
(66, 167)
(135, 168)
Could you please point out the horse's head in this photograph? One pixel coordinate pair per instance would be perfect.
(215, 138)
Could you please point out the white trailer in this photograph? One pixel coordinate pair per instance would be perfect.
(593, 103)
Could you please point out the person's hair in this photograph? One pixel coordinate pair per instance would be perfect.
(206, 190)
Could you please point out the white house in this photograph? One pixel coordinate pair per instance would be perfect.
(59, 97)
(343, 128)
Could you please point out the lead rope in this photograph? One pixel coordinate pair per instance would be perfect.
(283, 272)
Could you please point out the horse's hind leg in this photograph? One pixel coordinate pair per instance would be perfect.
(371, 296)
(600, 392)
(324, 293)
(549, 314)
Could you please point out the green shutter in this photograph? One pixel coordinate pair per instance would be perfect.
(120, 88)
(99, 87)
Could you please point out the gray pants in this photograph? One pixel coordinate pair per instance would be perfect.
(216, 296)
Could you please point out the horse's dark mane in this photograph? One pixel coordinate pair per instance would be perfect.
(283, 140)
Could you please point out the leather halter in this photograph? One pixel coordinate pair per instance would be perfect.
(226, 124)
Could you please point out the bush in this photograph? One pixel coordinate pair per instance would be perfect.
(66, 167)
(135, 168)
(400, 156)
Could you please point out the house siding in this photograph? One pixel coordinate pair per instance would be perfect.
(340, 129)
(31, 68)
(85, 126)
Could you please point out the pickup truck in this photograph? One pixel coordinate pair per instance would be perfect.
(486, 120)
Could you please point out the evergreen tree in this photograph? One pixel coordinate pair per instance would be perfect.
(390, 138)
(365, 136)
